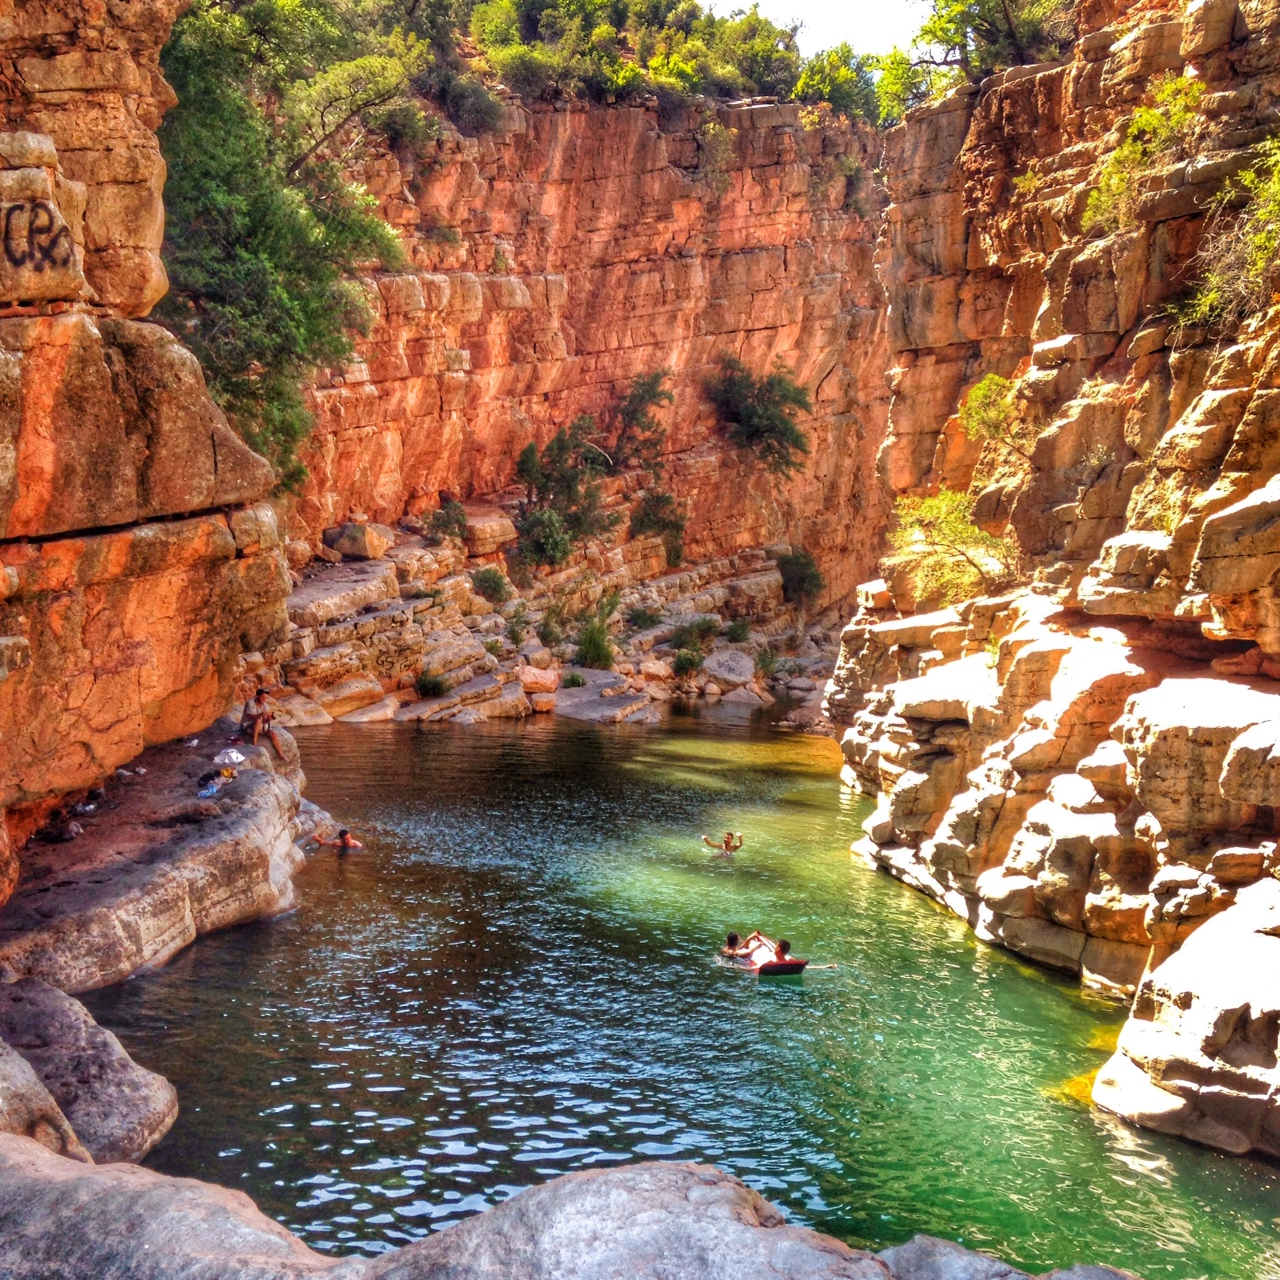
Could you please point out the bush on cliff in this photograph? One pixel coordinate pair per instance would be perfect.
(801, 579)
(1156, 135)
(991, 412)
(263, 235)
(952, 557)
(1239, 259)
(492, 585)
(594, 646)
(758, 414)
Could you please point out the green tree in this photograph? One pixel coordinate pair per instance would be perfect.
(759, 413)
(842, 78)
(260, 264)
(953, 557)
(990, 412)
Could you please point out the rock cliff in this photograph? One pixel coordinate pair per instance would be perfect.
(1083, 768)
(578, 247)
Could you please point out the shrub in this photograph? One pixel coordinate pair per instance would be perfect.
(594, 646)
(495, 647)
(687, 661)
(450, 521)
(466, 100)
(715, 153)
(543, 538)
(638, 437)
(643, 619)
(1155, 135)
(766, 662)
(573, 680)
(841, 78)
(695, 634)
(656, 513)
(1239, 255)
(550, 629)
(801, 580)
(954, 558)
(518, 623)
(738, 631)
(429, 686)
(1030, 182)
(492, 584)
(990, 412)
(758, 413)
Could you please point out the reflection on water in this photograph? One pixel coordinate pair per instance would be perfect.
(517, 978)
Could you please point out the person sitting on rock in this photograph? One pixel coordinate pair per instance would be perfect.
(726, 848)
(344, 840)
(256, 719)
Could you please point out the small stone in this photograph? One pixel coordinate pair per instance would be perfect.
(542, 702)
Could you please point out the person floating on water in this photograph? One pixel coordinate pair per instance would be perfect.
(728, 846)
(256, 719)
(757, 948)
(344, 840)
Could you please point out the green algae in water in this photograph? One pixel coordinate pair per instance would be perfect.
(517, 978)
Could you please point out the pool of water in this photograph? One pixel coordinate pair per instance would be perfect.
(517, 977)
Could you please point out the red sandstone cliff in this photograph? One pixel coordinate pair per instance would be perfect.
(590, 247)
(133, 572)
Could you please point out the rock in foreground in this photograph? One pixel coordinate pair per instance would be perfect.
(642, 1222)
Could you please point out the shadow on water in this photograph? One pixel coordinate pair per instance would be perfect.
(517, 978)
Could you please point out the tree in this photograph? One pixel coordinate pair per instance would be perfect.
(639, 437)
(759, 413)
(843, 79)
(990, 412)
(953, 557)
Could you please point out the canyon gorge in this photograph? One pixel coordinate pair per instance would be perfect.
(1082, 763)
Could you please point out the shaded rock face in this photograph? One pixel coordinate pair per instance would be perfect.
(119, 1110)
(643, 1222)
(1086, 770)
(29, 1110)
(591, 248)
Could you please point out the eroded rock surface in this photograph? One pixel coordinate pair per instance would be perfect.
(29, 1110)
(641, 1222)
(118, 1109)
(155, 865)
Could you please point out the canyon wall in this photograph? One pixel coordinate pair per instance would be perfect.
(580, 246)
(1085, 767)
(137, 561)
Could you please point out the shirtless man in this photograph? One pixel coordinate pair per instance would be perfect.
(344, 840)
(727, 846)
(256, 720)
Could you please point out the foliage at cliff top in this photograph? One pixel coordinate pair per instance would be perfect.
(613, 49)
(963, 41)
(263, 234)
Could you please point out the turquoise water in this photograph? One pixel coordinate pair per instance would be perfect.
(517, 977)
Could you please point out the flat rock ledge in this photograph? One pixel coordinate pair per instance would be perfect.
(642, 1222)
(156, 865)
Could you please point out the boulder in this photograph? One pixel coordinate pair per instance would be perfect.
(639, 1222)
(488, 531)
(730, 668)
(359, 541)
(118, 1109)
(542, 702)
(28, 1109)
(538, 680)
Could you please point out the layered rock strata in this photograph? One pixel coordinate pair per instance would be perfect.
(579, 247)
(642, 1221)
(1084, 770)
(152, 864)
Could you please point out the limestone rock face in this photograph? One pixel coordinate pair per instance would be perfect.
(1111, 795)
(119, 1110)
(28, 1109)
(640, 1222)
(591, 248)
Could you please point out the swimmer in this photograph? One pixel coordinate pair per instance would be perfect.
(344, 840)
(727, 846)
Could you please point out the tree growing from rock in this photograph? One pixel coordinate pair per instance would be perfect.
(952, 557)
(758, 414)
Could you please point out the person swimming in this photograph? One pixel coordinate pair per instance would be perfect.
(727, 847)
(344, 840)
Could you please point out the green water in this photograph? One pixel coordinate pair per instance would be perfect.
(517, 977)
